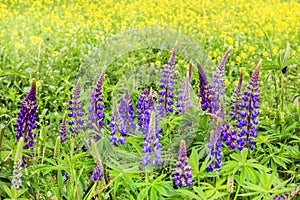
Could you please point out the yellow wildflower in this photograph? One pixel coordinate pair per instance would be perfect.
(226, 82)
(36, 40)
(265, 54)
(243, 55)
(275, 50)
(54, 53)
(238, 58)
(230, 40)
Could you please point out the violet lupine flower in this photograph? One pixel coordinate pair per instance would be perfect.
(114, 124)
(151, 143)
(166, 84)
(204, 90)
(127, 124)
(218, 92)
(231, 139)
(143, 111)
(26, 120)
(63, 131)
(98, 172)
(215, 147)
(184, 97)
(248, 112)
(76, 112)
(96, 115)
(182, 171)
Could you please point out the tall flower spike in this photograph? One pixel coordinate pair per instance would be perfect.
(96, 115)
(204, 90)
(182, 172)
(230, 137)
(143, 111)
(26, 120)
(76, 113)
(248, 112)
(63, 132)
(218, 92)
(151, 144)
(166, 84)
(215, 147)
(127, 124)
(184, 97)
(114, 124)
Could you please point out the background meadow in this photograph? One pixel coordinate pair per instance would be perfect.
(60, 42)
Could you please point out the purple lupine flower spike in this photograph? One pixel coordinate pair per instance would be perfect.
(76, 113)
(230, 137)
(184, 97)
(143, 111)
(204, 90)
(26, 120)
(96, 115)
(98, 172)
(63, 131)
(215, 147)
(151, 143)
(182, 172)
(114, 124)
(218, 92)
(249, 111)
(166, 84)
(127, 124)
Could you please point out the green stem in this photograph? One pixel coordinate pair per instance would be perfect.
(237, 192)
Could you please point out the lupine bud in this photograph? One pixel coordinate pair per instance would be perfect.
(26, 120)
(182, 173)
(63, 131)
(166, 84)
(96, 115)
(57, 147)
(17, 174)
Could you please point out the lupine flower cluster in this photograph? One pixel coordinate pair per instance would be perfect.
(215, 147)
(96, 115)
(76, 113)
(217, 104)
(143, 111)
(184, 97)
(97, 174)
(182, 172)
(114, 124)
(204, 90)
(245, 114)
(166, 84)
(151, 143)
(127, 124)
(26, 121)
(231, 139)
